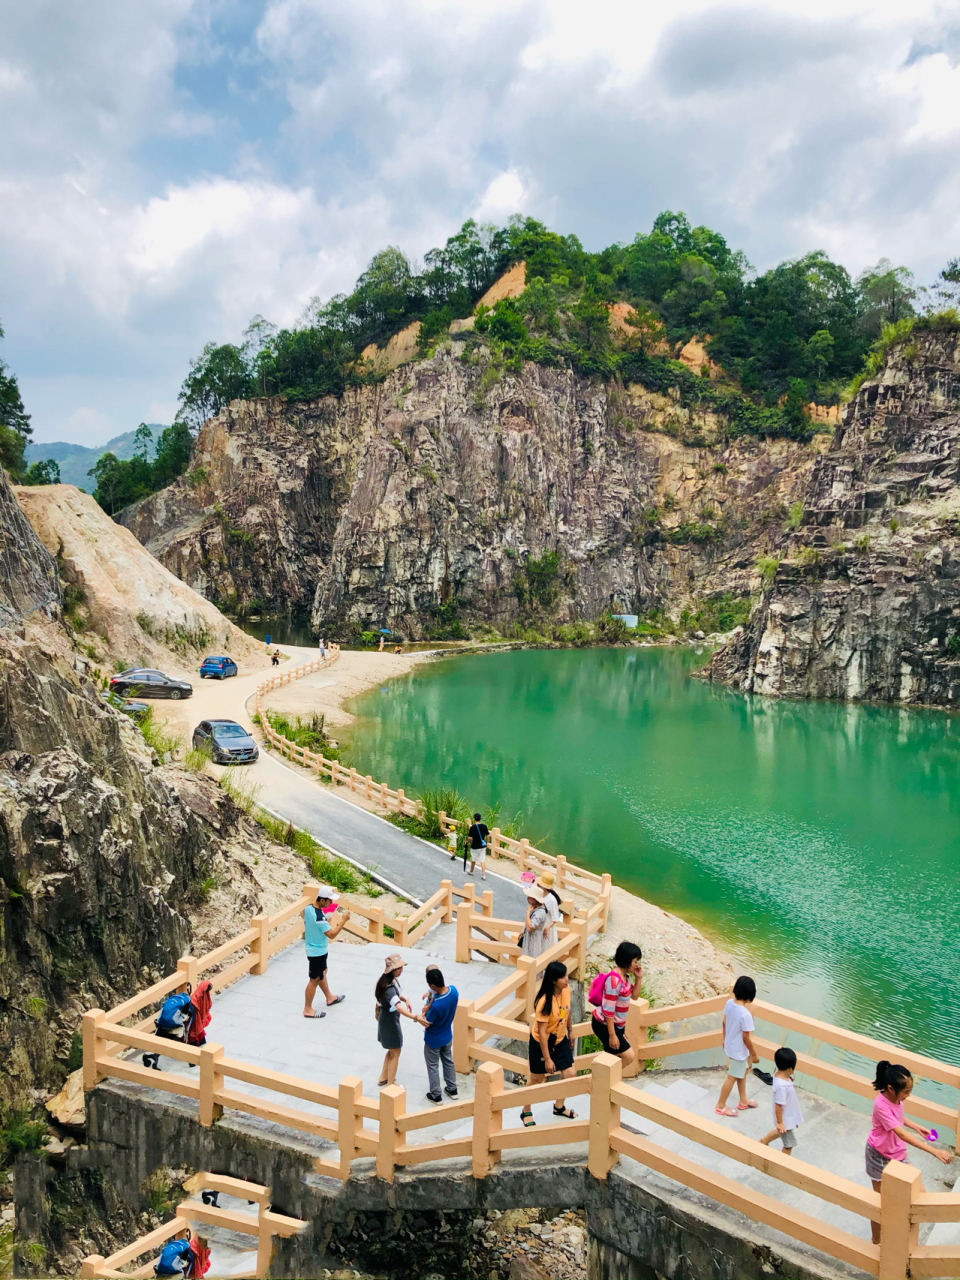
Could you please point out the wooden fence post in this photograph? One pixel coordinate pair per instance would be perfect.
(353, 778)
(90, 1035)
(528, 992)
(566, 909)
(636, 1035)
(583, 929)
(469, 894)
(464, 911)
(393, 1105)
(349, 1122)
(442, 821)
(462, 1035)
(264, 1242)
(261, 944)
(604, 1114)
(383, 796)
(401, 800)
(898, 1236)
(211, 1083)
(187, 969)
(399, 927)
(447, 887)
(311, 890)
(375, 925)
(489, 1083)
(561, 870)
(495, 842)
(522, 854)
(368, 787)
(90, 1267)
(605, 899)
(486, 904)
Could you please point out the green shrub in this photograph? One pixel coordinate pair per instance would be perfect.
(197, 759)
(19, 1133)
(309, 732)
(953, 645)
(767, 567)
(795, 515)
(165, 742)
(324, 866)
(240, 789)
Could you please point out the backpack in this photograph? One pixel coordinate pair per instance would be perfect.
(174, 1013)
(595, 994)
(173, 1259)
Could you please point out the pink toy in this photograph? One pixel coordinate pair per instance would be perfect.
(932, 1135)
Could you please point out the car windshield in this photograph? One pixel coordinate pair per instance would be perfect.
(229, 731)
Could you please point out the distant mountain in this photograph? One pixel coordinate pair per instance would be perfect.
(75, 460)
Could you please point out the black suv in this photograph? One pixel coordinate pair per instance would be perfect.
(142, 682)
(228, 742)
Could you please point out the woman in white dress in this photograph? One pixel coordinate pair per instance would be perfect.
(551, 902)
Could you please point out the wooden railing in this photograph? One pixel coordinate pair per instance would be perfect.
(262, 1225)
(381, 1129)
(522, 852)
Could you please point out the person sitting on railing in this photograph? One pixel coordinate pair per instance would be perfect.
(172, 1020)
(535, 925)
(550, 1047)
(611, 993)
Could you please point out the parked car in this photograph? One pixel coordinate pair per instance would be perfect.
(228, 742)
(135, 710)
(143, 682)
(218, 668)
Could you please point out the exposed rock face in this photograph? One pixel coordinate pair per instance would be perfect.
(866, 602)
(427, 493)
(141, 613)
(28, 573)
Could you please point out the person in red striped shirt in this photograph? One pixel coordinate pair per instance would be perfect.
(620, 986)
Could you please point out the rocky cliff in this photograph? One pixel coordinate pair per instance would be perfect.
(865, 602)
(435, 495)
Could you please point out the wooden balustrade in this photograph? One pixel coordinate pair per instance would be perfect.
(263, 1225)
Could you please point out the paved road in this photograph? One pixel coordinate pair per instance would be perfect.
(413, 866)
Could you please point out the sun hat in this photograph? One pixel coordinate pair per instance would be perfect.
(545, 879)
(528, 877)
(394, 962)
(532, 891)
(327, 891)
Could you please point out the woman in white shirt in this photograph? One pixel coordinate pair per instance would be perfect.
(551, 903)
(535, 925)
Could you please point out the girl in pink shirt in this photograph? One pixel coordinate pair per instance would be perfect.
(888, 1136)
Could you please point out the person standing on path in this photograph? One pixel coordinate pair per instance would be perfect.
(888, 1137)
(437, 1019)
(535, 925)
(477, 846)
(391, 1007)
(787, 1115)
(318, 933)
(550, 1047)
(738, 1045)
(275, 658)
(323, 649)
(551, 901)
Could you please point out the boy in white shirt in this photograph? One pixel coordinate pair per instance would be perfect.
(786, 1106)
(738, 1045)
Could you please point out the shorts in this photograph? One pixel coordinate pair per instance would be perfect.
(789, 1139)
(737, 1067)
(600, 1031)
(876, 1163)
(318, 966)
(478, 855)
(561, 1053)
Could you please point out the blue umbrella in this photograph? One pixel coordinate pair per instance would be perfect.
(384, 631)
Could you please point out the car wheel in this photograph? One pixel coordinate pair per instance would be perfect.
(175, 693)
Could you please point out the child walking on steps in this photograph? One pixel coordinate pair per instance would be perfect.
(888, 1137)
(738, 1045)
(786, 1106)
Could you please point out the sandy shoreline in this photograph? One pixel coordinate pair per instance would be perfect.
(680, 963)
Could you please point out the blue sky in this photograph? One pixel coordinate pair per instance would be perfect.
(173, 167)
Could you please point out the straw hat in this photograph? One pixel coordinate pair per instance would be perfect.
(394, 962)
(533, 892)
(545, 879)
(327, 891)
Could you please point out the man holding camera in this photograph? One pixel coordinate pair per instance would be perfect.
(319, 930)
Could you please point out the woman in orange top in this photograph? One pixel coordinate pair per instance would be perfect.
(551, 1036)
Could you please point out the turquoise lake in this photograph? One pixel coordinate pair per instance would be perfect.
(818, 842)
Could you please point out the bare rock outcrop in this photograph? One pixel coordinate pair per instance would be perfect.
(422, 498)
(865, 603)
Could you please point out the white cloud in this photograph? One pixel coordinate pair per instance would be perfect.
(167, 172)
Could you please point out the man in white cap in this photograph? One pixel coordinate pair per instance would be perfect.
(318, 933)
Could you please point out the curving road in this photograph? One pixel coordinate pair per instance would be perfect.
(411, 866)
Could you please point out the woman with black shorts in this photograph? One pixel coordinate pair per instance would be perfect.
(620, 986)
(551, 1036)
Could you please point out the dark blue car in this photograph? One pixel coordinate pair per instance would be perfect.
(218, 668)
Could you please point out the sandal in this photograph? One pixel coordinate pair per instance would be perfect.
(527, 1118)
(725, 1111)
(745, 1106)
(316, 1014)
(565, 1112)
(335, 1000)
(382, 1084)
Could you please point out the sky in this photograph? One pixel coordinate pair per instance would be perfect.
(172, 168)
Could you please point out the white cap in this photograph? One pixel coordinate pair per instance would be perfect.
(328, 891)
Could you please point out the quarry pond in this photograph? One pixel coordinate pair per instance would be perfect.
(818, 842)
